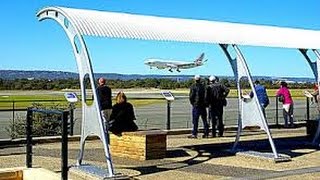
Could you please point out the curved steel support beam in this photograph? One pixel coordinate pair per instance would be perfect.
(315, 140)
(250, 112)
(92, 122)
(233, 63)
(315, 67)
(313, 64)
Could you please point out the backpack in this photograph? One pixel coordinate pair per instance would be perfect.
(281, 98)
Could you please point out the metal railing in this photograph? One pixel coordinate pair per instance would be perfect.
(12, 110)
(155, 116)
(64, 138)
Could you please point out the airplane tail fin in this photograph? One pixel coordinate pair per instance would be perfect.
(199, 59)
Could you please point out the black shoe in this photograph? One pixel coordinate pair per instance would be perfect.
(192, 137)
(213, 135)
(205, 136)
(220, 135)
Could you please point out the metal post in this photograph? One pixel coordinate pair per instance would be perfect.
(29, 138)
(13, 116)
(64, 146)
(168, 114)
(71, 119)
(277, 113)
(308, 109)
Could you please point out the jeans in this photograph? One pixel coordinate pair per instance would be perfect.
(217, 119)
(263, 110)
(196, 113)
(106, 113)
(288, 116)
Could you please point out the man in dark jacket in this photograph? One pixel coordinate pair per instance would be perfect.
(216, 97)
(105, 99)
(198, 101)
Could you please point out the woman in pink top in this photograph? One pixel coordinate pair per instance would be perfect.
(287, 104)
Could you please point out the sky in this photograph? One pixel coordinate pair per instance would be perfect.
(27, 44)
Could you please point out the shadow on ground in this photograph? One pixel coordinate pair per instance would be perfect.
(189, 158)
(206, 152)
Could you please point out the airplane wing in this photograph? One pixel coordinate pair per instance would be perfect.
(172, 65)
(186, 66)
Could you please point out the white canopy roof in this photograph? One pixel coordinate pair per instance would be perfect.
(123, 25)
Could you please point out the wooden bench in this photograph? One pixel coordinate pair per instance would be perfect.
(141, 145)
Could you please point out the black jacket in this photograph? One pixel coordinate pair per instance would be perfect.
(197, 95)
(216, 94)
(122, 118)
(104, 96)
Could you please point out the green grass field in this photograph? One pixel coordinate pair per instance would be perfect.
(24, 101)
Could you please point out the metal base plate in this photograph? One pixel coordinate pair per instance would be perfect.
(88, 171)
(265, 156)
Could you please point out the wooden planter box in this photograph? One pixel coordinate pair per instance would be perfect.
(141, 145)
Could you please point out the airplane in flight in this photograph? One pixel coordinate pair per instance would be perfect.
(163, 64)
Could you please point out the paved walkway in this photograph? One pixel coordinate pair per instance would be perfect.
(193, 158)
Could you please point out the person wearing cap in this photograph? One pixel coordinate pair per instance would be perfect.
(104, 94)
(216, 98)
(198, 101)
(287, 103)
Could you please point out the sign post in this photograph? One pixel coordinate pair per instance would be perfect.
(169, 97)
(72, 98)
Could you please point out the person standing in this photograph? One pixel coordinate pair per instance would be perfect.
(261, 95)
(216, 97)
(287, 101)
(198, 101)
(105, 99)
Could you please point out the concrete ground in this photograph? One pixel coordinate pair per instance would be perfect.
(193, 158)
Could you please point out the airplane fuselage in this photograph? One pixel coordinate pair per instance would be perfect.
(163, 64)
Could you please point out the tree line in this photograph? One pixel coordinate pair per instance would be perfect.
(59, 84)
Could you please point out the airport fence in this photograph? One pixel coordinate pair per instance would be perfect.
(155, 116)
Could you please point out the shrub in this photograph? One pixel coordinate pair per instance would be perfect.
(43, 124)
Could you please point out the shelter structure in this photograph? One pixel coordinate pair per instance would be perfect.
(229, 36)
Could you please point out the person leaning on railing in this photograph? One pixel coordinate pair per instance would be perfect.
(287, 101)
(261, 95)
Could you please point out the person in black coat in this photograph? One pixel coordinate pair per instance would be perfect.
(122, 116)
(104, 94)
(216, 98)
(197, 97)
